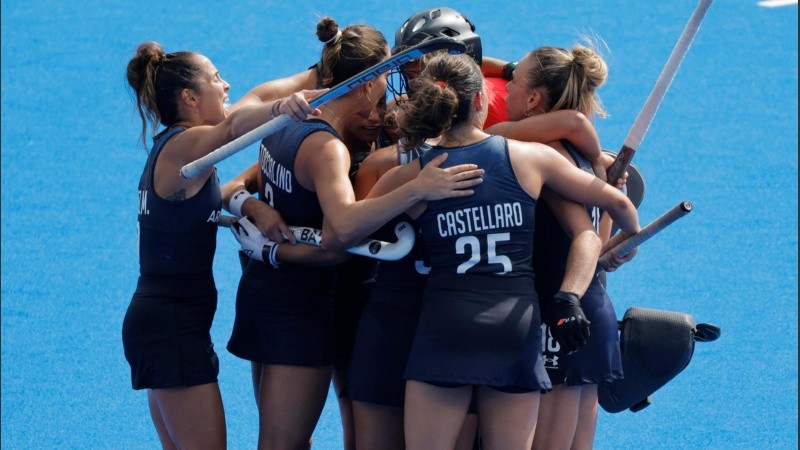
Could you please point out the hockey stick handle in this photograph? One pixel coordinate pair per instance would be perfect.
(198, 166)
(663, 221)
(201, 164)
(371, 248)
(645, 117)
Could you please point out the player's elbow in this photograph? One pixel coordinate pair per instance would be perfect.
(338, 238)
(579, 123)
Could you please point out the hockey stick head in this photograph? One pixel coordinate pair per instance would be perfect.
(392, 251)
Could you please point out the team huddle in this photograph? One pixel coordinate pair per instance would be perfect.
(492, 332)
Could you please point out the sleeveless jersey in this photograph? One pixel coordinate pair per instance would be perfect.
(600, 359)
(479, 323)
(279, 187)
(176, 238)
(490, 232)
(283, 315)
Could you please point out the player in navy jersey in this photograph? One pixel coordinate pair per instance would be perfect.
(375, 384)
(283, 321)
(479, 326)
(548, 82)
(166, 330)
(355, 278)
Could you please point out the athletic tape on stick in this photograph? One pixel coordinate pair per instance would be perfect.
(663, 221)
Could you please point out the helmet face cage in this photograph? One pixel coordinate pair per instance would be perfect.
(429, 24)
(397, 83)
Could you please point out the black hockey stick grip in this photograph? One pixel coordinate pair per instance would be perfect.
(663, 221)
(621, 163)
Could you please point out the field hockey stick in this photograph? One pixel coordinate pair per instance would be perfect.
(663, 221)
(198, 166)
(645, 117)
(371, 248)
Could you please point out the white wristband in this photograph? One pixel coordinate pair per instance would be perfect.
(237, 200)
(270, 253)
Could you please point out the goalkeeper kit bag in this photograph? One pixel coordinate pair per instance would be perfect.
(656, 346)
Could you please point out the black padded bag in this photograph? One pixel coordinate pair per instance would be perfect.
(656, 346)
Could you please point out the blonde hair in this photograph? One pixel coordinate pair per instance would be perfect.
(570, 78)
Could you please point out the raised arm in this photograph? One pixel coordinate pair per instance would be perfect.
(278, 88)
(494, 67)
(549, 127)
(537, 165)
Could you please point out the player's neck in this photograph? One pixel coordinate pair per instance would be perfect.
(461, 135)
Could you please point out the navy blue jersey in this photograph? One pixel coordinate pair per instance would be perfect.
(279, 186)
(283, 315)
(490, 232)
(551, 243)
(399, 283)
(176, 238)
(479, 322)
(599, 360)
(402, 281)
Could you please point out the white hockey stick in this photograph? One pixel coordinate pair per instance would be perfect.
(198, 166)
(371, 248)
(663, 221)
(645, 117)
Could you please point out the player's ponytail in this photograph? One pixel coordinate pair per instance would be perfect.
(347, 51)
(443, 95)
(157, 78)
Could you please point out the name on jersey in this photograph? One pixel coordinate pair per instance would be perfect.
(479, 218)
(143, 211)
(277, 174)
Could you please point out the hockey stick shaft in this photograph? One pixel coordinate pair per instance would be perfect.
(198, 166)
(663, 221)
(645, 117)
(371, 248)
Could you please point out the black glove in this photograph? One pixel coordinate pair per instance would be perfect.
(567, 321)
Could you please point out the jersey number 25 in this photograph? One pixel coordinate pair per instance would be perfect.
(474, 252)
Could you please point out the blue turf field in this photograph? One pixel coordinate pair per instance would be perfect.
(725, 138)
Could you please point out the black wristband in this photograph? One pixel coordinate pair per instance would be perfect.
(508, 70)
(570, 297)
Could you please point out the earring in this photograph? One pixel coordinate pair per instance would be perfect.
(527, 112)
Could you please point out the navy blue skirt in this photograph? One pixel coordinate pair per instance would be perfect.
(283, 316)
(479, 330)
(166, 334)
(382, 345)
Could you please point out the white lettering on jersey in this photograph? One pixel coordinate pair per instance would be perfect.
(143, 211)
(277, 174)
(479, 218)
